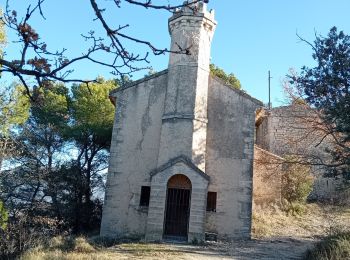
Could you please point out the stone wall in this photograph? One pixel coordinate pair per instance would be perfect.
(293, 130)
(287, 130)
(134, 153)
(230, 148)
(267, 182)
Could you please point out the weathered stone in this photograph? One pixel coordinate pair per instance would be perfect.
(288, 131)
(182, 121)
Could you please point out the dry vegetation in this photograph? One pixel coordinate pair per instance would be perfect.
(317, 221)
(333, 248)
(67, 248)
(277, 235)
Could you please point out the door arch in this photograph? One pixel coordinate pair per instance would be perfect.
(177, 212)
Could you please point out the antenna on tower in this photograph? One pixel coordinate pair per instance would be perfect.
(269, 104)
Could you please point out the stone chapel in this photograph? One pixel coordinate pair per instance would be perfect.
(181, 162)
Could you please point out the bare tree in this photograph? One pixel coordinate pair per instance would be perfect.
(37, 63)
(317, 139)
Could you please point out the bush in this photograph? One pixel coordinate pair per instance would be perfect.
(24, 233)
(3, 216)
(297, 183)
(229, 79)
(65, 247)
(81, 245)
(293, 208)
(332, 248)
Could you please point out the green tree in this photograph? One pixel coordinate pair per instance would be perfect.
(14, 108)
(64, 150)
(326, 87)
(229, 79)
(14, 111)
(40, 152)
(92, 116)
(2, 36)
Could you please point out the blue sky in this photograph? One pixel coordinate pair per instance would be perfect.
(252, 36)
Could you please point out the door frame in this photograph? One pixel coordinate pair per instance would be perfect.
(175, 237)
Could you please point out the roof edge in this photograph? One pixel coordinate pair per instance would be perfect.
(137, 82)
(238, 91)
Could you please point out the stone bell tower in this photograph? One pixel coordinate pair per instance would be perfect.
(184, 121)
(183, 136)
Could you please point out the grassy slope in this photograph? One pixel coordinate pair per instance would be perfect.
(318, 221)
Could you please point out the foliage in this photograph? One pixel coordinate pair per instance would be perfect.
(63, 151)
(293, 208)
(229, 79)
(92, 112)
(2, 30)
(299, 101)
(297, 183)
(24, 233)
(332, 248)
(2, 37)
(14, 108)
(92, 116)
(3, 216)
(14, 111)
(65, 247)
(326, 87)
(29, 189)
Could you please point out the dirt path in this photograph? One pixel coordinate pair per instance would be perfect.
(278, 236)
(283, 248)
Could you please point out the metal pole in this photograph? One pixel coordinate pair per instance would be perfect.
(269, 106)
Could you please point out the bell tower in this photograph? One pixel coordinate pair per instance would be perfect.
(184, 122)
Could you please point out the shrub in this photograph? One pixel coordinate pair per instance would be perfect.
(293, 208)
(229, 79)
(24, 233)
(297, 183)
(3, 216)
(81, 245)
(332, 248)
(66, 247)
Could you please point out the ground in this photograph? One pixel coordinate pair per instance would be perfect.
(276, 236)
(253, 249)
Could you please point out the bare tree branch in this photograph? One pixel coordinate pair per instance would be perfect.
(37, 64)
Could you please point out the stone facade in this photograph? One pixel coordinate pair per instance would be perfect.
(182, 122)
(230, 152)
(289, 129)
(296, 130)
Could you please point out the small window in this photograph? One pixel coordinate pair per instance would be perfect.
(211, 201)
(145, 194)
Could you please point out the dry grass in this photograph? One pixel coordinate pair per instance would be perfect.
(317, 221)
(332, 248)
(68, 248)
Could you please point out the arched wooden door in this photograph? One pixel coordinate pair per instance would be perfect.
(177, 207)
